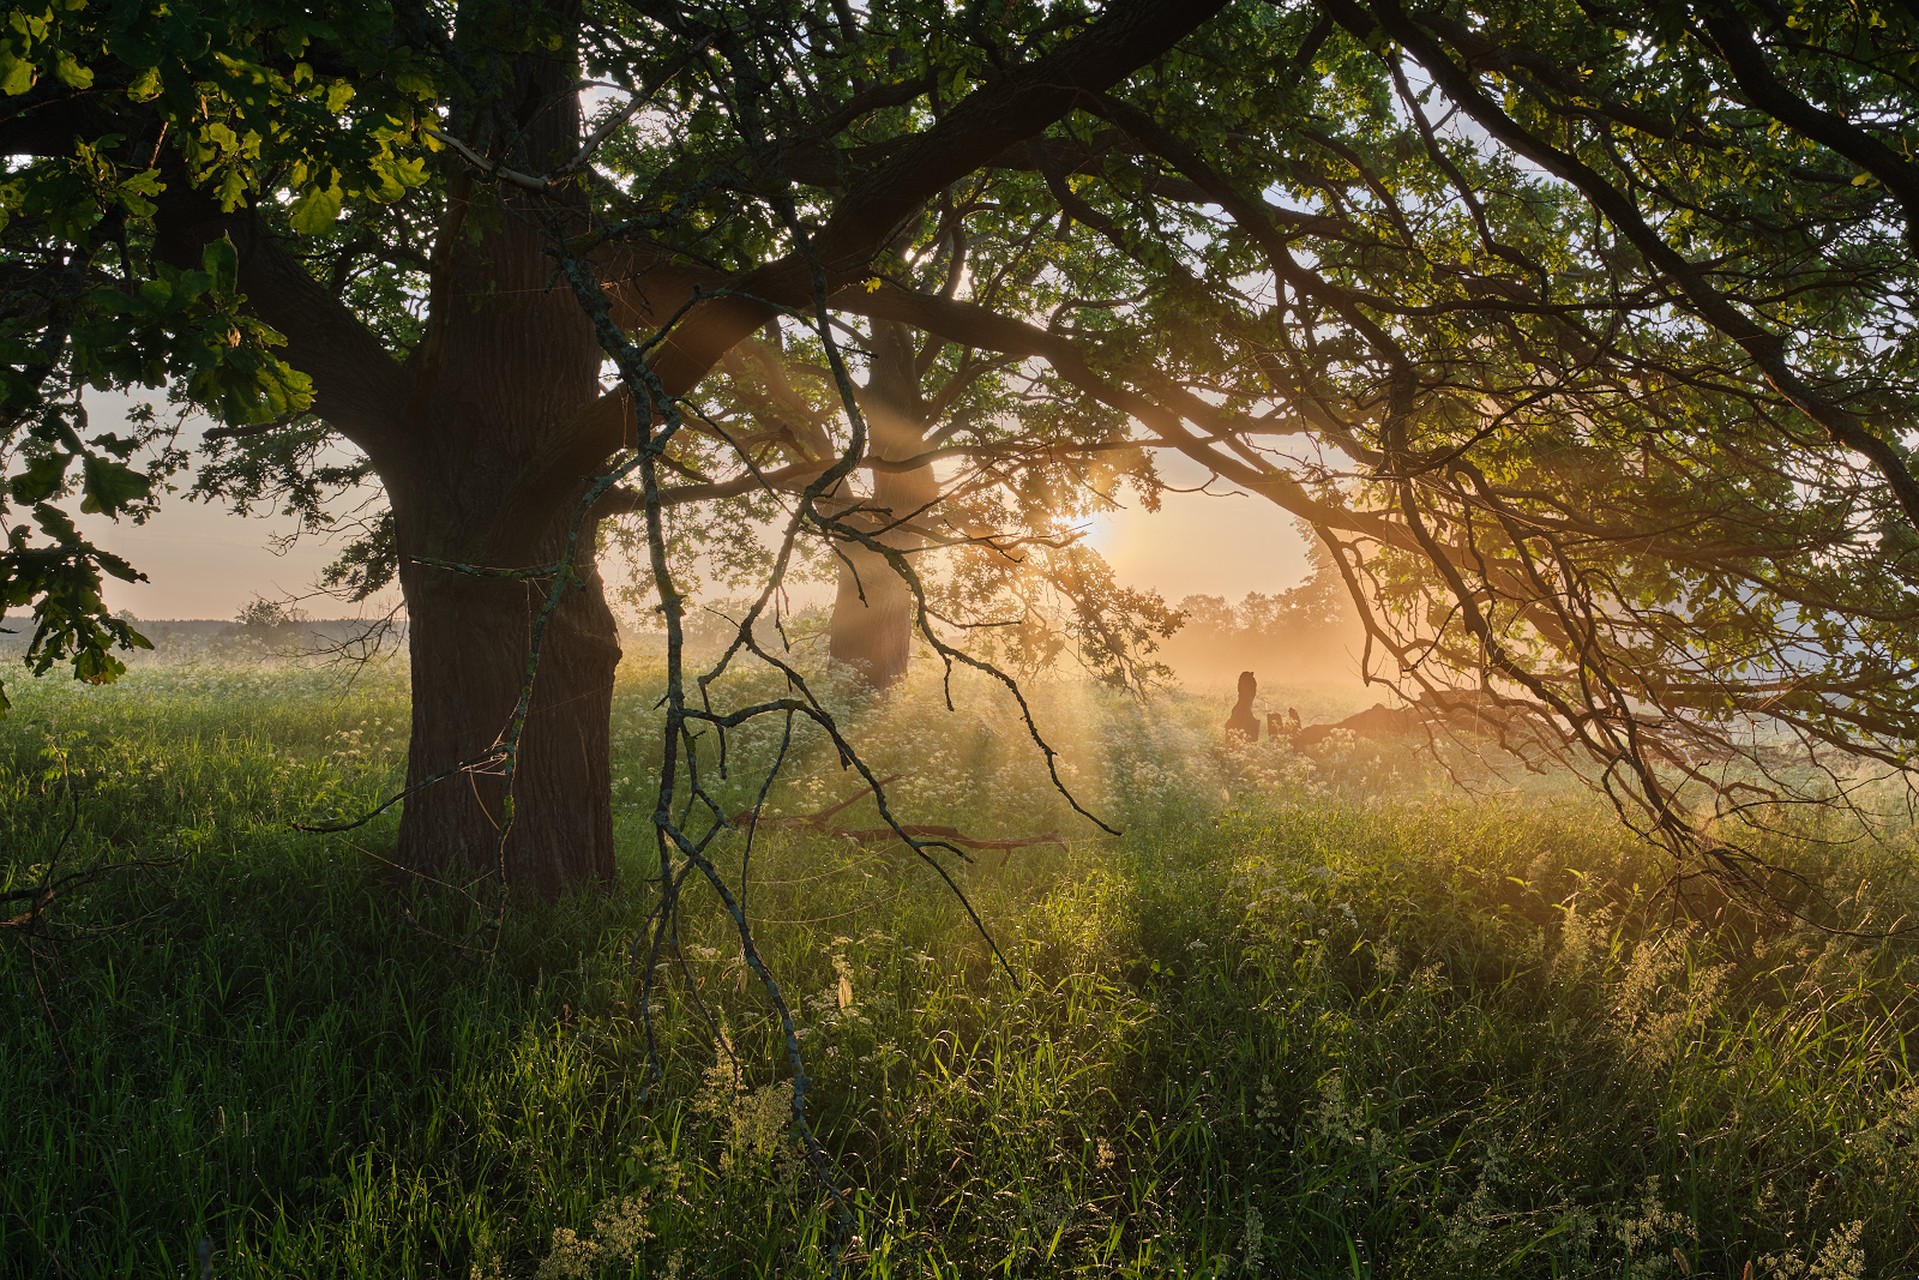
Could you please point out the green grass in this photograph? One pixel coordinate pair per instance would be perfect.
(1284, 1026)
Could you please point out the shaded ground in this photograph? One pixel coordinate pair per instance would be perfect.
(1283, 1026)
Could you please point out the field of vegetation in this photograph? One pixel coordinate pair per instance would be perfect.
(1324, 1018)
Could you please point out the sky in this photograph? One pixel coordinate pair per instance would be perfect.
(202, 561)
(1223, 542)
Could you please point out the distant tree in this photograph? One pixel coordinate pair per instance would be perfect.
(1302, 635)
(1579, 333)
(977, 467)
(262, 627)
(1318, 604)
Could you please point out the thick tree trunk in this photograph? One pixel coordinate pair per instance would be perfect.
(542, 816)
(507, 364)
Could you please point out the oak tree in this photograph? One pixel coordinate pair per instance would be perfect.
(360, 223)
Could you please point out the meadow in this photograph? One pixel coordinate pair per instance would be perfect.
(1301, 1019)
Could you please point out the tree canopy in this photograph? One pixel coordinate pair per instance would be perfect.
(1580, 335)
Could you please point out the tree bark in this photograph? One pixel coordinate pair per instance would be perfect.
(547, 824)
(507, 363)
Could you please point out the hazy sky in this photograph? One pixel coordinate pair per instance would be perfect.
(203, 562)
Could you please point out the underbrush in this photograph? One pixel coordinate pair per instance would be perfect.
(1301, 1019)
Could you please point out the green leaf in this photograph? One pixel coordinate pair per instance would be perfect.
(316, 211)
(146, 86)
(44, 477)
(110, 487)
(222, 263)
(71, 72)
(56, 524)
(16, 74)
(233, 190)
(96, 666)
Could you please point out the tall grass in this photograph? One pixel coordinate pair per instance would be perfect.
(1299, 1020)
